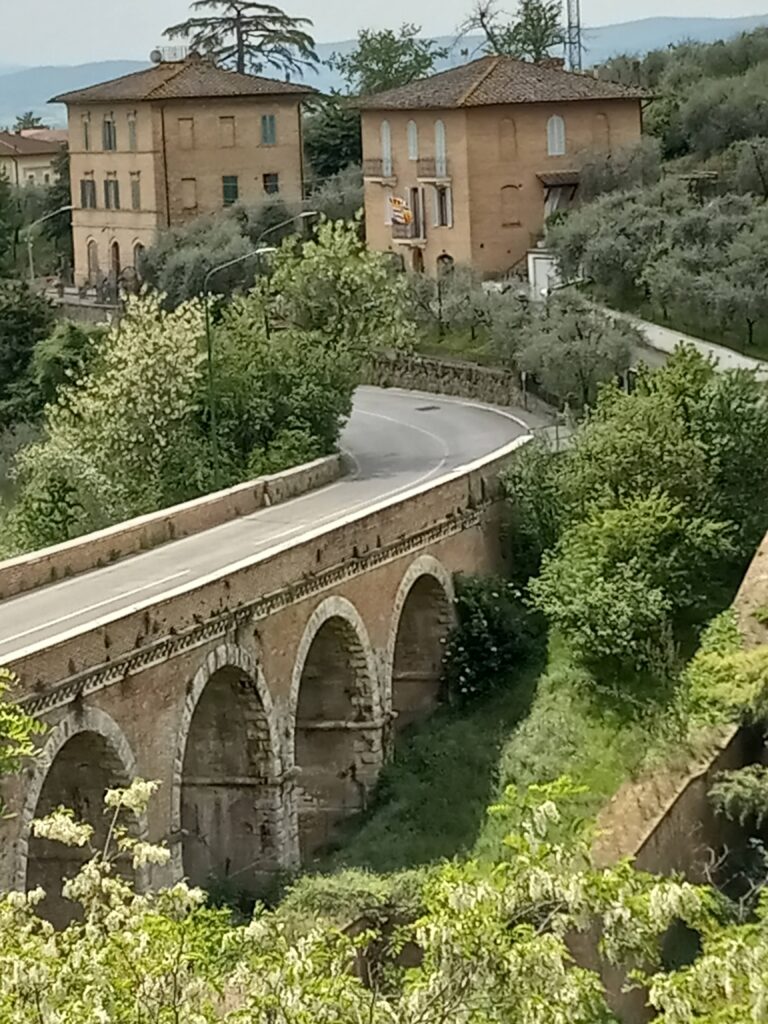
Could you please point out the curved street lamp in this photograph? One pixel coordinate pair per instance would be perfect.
(30, 240)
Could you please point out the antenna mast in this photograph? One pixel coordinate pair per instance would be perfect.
(573, 35)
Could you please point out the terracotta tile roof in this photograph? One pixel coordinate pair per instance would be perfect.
(492, 80)
(551, 179)
(12, 144)
(192, 78)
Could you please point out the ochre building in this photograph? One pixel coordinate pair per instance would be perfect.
(466, 165)
(157, 148)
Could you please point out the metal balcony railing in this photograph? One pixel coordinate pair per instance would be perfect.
(406, 232)
(431, 169)
(374, 168)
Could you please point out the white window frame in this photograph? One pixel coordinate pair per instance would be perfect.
(413, 140)
(441, 150)
(436, 221)
(556, 139)
(386, 149)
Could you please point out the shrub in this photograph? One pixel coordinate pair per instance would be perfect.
(615, 585)
(495, 633)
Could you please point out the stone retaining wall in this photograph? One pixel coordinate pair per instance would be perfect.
(447, 377)
(129, 538)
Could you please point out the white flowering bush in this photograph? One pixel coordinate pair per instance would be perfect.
(494, 944)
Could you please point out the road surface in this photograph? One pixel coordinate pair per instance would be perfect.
(396, 440)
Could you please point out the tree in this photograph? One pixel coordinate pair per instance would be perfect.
(620, 169)
(493, 944)
(528, 35)
(25, 319)
(17, 732)
(27, 120)
(572, 349)
(59, 228)
(615, 585)
(386, 59)
(249, 36)
(332, 137)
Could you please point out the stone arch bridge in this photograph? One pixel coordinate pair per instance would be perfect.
(265, 700)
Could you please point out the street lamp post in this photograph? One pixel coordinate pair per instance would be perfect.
(257, 252)
(30, 241)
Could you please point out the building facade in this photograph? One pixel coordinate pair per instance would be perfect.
(465, 166)
(27, 160)
(155, 149)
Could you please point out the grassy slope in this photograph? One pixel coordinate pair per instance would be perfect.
(432, 799)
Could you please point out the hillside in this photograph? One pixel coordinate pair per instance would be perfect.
(31, 88)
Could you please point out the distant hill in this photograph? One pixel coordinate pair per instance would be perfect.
(31, 88)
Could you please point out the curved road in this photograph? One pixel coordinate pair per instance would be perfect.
(396, 440)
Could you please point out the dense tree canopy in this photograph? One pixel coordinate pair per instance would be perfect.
(248, 36)
(130, 432)
(529, 34)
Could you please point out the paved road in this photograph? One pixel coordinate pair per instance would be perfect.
(396, 439)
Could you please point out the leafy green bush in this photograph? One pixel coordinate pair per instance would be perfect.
(615, 585)
(496, 634)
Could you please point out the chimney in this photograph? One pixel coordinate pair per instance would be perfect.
(554, 63)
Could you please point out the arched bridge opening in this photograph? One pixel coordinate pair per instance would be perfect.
(424, 616)
(338, 724)
(229, 809)
(83, 763)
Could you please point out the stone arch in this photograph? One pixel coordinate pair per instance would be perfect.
(422, 616)
(227, 814)
(85, 754)
(92, 260)
(335, 723)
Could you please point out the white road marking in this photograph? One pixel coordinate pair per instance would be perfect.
(93, 607)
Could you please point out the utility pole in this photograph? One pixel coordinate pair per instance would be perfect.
(573, 49)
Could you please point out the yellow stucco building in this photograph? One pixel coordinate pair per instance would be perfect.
(27, 160)
(154, 149)
(465, 166)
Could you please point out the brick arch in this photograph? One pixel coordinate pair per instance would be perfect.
(230, 684)
(334, 722)
(423, 614)
(120, 767)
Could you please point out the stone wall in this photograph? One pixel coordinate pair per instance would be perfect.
(96, 549)
(447, 377)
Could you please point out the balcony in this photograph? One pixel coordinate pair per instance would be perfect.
(433, 171)
(373, 170)
(407, 234)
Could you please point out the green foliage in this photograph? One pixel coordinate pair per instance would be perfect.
(530, 34)
(742, 795)
(58, 229)
(25, 319)
(614, 585)
(573, 349)
(17, 732)
(622, 168)
(494, 637)
(332, 137)
(248, 36)
(705, 95)
(62, 357)
(386, 59)
(129, 433)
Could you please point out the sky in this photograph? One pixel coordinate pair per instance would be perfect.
(37, 32)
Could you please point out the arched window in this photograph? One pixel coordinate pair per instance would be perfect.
(507, 140)
(114, 253)
(93, 261)
(413, 141)
(441, 155)
(601, 132)
(510, 204)
(138, 254)
(386, 149)
(556, 136)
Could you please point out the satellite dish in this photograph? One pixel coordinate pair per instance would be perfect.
(156, 57)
